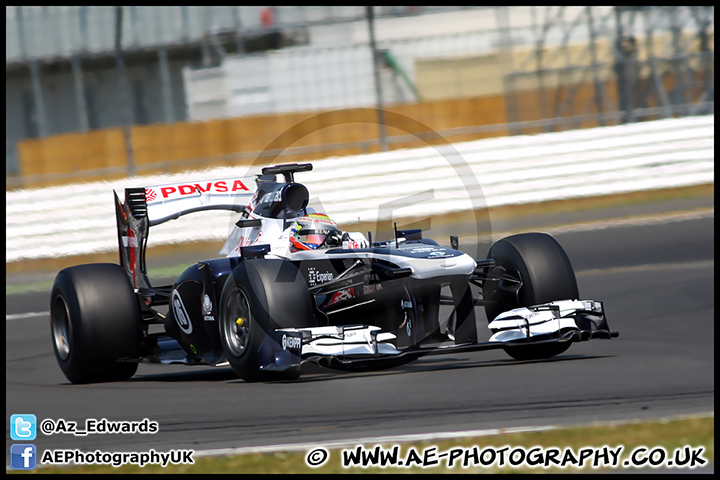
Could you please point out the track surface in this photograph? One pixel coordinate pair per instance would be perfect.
(657, 284)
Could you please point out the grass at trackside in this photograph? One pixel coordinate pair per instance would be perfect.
(693, 432)
(605, 201)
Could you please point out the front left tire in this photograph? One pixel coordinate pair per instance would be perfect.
(261, 295)
(544, 274)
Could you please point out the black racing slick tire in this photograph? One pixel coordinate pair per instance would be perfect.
(95, 321)
(261, 295)
(545, 275)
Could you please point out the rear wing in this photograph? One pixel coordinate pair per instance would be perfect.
(145, 207)
(167, 202)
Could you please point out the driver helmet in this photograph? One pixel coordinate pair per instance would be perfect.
(312, 231)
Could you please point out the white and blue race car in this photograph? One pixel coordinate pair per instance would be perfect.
(292, 288)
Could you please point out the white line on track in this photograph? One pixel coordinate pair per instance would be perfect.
(648, 267)
(634, 221)
(630, 221)
(425, 437)
(369, 440)
(20, 316)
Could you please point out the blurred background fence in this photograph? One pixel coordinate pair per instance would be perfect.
(106, 92)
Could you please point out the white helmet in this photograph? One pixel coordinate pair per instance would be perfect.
(312, 231)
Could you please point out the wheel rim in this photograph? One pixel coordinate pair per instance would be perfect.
(61, 328)
(237, 323)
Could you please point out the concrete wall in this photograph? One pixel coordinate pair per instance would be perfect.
(172, 148)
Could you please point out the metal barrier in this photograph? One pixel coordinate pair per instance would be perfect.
(366, 146)
(410, 183)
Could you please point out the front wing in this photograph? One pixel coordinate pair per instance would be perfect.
(367, 346)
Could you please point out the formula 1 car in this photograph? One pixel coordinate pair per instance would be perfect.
(266, 308)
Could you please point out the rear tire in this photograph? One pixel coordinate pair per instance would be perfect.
(95, 320)
(261, 295)
(544, 268)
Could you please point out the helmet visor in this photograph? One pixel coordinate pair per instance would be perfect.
(313, 238)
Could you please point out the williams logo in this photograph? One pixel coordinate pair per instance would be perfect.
(207, 309)
(181, 316)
